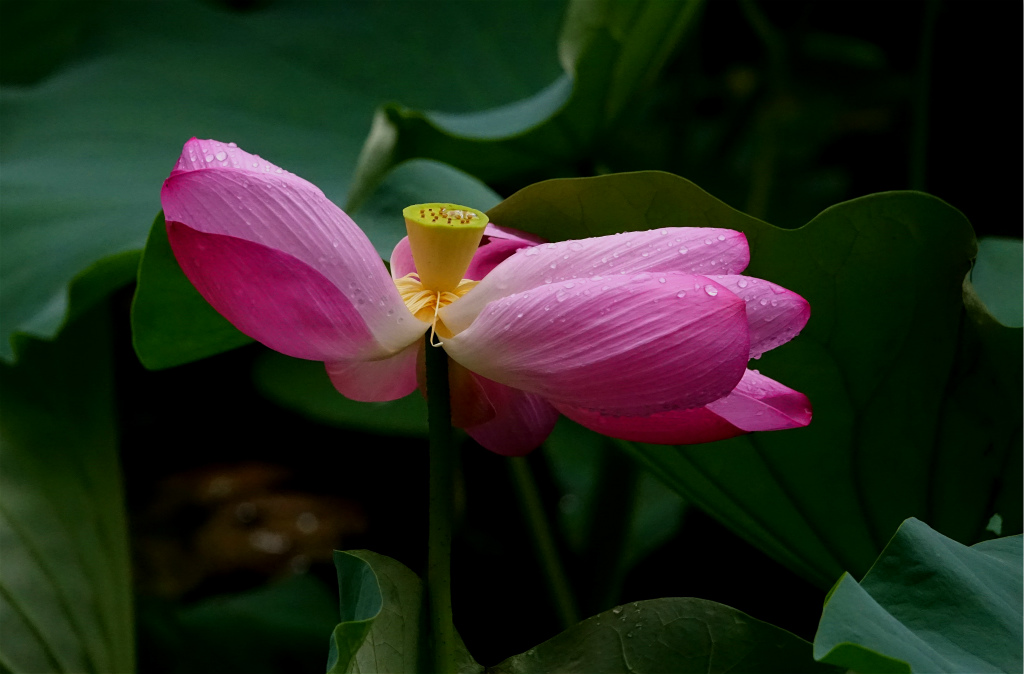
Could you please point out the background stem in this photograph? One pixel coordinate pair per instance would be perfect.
(544, 542)
(442, 460)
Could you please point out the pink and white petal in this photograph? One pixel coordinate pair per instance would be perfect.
(626, 345)
(676, 427)
(522, 421)
(775, 315)
(688, 250)
(376, 380)
(762, 404)
(401, 261)
(273, 297)
(217, 188)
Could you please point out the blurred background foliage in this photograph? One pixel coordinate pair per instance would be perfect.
(242, 471)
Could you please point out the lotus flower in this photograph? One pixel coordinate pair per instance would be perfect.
(630, 335)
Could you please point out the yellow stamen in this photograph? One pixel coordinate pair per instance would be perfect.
(424, 303)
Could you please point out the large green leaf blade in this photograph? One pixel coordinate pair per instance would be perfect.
(65, 593)
(929, 604)
(667, 635)
(87, 148)
(608, 50)
(916, 389)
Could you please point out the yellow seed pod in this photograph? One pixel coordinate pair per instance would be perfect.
(443, 238)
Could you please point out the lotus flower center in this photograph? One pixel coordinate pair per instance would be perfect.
(443, 239)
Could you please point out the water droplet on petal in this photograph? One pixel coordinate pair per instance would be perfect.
(775, 303)
(569, 284)
(221, 156)
(742, 283)
(232, 144)
(662, 280)
(681, 293)
(721, 237)
(683, 251)
(575, 245)
(707, 242)
(763, 302)
(617, 610)
(209, 157)
(711, 290)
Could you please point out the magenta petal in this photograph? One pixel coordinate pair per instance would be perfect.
(490, 255)
(677, 427)
(762, 404)
(376, 380)
(219, 189)
(622, 345)
(273, 297)
(521, 423)
(775, 315)
(688, 250)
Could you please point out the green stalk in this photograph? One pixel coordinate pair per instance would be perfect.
(442, 469)
(544, 542)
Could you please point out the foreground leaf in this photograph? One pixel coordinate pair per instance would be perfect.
(668, 635)
(382, 630)
(997, 278)
(917, 390)
(383, 621)
(928, 604)
(65, 580)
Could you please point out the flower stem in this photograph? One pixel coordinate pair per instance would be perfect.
(442, 469)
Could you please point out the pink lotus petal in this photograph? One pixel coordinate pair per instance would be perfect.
(762, 404)
(628, 345)
(689, 250)
(273, 297)
(677, 427)
(521, 423)
(376, 380)
(775, 315)
(219, 189)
